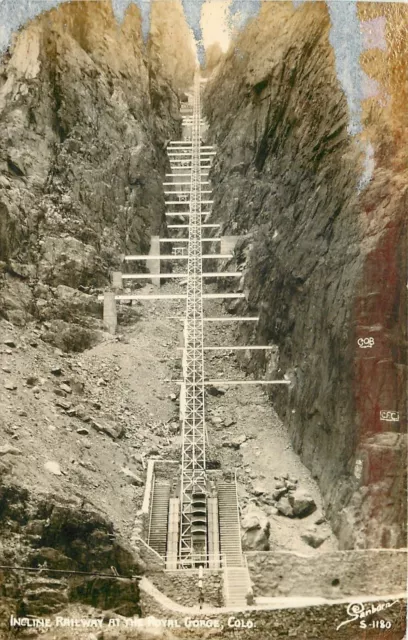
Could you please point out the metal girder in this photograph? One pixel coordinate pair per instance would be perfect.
(193, 464)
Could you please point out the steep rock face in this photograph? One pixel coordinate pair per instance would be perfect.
(171, 44)
(324, 258)
(84, 119)
(61, 535)
(82, 159)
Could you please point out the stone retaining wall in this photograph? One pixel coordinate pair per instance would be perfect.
(329, 575)
(305, 623)
(181, 586)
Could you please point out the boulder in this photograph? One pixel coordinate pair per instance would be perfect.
(112, 429)
(8, 448)
(235, 443)
(258, 489)
(79, 411)
(216, 391)
(284, 507)
(63, 405)
(53, 467)
(302, 503)
(69, 336)
(255, 526)
(313, 538)
(10, 385)
(278, 493)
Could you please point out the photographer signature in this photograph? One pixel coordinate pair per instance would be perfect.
(357, 611)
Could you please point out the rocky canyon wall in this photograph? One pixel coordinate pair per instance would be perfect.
(86, 107)
(324, 253)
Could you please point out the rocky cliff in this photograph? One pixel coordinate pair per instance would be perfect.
(324, 255)
(85, 114)
(171, 44)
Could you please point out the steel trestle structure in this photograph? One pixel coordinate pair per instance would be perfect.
(193, 524)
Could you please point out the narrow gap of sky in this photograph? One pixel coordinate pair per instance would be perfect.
(214, 20)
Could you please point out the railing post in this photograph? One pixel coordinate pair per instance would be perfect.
(117, 282)
(110, 318)
(154, 265)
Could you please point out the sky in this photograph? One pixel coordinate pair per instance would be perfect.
(211, 21)
(215, 24)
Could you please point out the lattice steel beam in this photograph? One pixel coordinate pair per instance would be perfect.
(193, 465)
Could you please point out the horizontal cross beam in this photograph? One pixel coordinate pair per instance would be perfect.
(182, 175)
(172, 296)
(186, 226)
(189, 142)
(187, 240)
(187, 145)
(247, 382)
(185, 213)
(210, 319)
(210, 274)
(185, 183)
(189, 153)
(185, 193)
(218, 256)
(228, 382)
(187, 202)
(240, 348)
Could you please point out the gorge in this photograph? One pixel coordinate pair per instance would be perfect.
(88, 109)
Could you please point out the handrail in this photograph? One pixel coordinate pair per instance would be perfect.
(238, 515)
(225, 573)
(149, 548)
(151, 508)
(148, 486)
(204, 558)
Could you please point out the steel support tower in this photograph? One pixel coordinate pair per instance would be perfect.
(193, 525)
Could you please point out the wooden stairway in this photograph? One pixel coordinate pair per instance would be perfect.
(237, 582)
(230, 534)
(159, 517)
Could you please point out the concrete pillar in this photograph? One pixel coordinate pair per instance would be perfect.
(187, 131)
(228, 243)
(154, 265)
(117, 282)
(110, 318)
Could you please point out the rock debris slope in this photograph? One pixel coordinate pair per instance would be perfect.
(324, 254)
